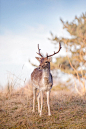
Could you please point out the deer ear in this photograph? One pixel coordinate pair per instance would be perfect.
(38, 58)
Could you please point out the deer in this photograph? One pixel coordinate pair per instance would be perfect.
(42, 80)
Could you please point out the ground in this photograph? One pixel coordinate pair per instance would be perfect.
(68, 111)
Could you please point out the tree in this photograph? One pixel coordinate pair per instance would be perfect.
(76, 45)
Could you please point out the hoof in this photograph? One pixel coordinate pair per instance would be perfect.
(33, 111)
(49, 114)
(40, 113)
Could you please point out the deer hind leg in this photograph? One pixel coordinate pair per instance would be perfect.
(48, 102)
(34, 98)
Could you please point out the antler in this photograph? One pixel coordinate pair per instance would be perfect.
(54, 51)
(39, 51)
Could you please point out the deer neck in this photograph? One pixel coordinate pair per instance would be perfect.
(46, 73)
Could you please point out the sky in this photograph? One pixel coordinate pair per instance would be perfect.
(26, 23)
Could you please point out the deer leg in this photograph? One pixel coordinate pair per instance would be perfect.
(41, 102)
(38, 99)
(48, 102)
(34, 98)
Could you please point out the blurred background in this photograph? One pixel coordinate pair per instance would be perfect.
(26, 23)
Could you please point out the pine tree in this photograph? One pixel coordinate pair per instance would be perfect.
(76, 45)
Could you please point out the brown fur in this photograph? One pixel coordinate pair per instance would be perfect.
(36, 75)
(36, 78)
(41, 79)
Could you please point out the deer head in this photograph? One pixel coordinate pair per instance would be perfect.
(45, 61)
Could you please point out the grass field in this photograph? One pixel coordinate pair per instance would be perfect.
(68, 111)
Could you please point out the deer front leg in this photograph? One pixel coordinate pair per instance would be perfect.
(48, 102)
(34, 98)
(41, 102)
(38, 99)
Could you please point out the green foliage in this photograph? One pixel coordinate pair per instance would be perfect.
(76, 45)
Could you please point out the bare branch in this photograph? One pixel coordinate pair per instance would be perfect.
(32, 64)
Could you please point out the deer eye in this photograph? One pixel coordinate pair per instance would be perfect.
(46, 62)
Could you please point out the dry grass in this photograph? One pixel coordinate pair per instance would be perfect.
(68, 111)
